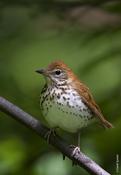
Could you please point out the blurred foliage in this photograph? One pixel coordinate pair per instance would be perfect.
(32, 35)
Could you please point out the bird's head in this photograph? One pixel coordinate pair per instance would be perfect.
(58, 73)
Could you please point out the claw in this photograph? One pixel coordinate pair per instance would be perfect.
(76, 150)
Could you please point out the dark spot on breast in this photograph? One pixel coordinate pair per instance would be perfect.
(68, 104)
(44, 89)
(59, 108)
(52, 96)
(63, 89)
(63, 111)
(84, 109)
(59, 103)
(73, 94)
(64, 98)
(58, 96)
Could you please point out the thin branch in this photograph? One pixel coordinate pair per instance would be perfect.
(29, 121)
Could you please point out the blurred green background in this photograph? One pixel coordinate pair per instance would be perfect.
(86, 35)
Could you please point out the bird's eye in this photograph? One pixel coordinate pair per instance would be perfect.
(57, 72)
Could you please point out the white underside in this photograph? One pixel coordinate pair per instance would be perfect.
(68, 118)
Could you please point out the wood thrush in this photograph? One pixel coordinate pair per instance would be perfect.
(66, 102)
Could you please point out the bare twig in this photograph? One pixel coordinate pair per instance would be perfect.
(29, 121)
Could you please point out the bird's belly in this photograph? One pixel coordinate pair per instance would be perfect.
(67, 118)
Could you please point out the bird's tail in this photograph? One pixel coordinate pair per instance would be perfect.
(107, 124)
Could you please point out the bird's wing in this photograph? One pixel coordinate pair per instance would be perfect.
(88, 99)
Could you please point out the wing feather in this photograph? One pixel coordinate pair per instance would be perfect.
(88, 99)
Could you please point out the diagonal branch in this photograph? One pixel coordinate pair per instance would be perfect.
(29, 121)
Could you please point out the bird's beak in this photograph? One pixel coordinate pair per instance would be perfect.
(40, 71)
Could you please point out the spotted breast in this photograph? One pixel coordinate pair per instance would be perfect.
(64, 108)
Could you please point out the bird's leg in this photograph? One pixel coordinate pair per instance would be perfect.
(49, 133)
(76, 149)
(73, 147)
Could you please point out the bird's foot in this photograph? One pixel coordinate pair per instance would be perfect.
(49, 133)
(76, 150)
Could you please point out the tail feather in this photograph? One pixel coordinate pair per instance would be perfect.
(107, 124)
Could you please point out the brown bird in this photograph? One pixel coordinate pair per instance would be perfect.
(66, 102)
